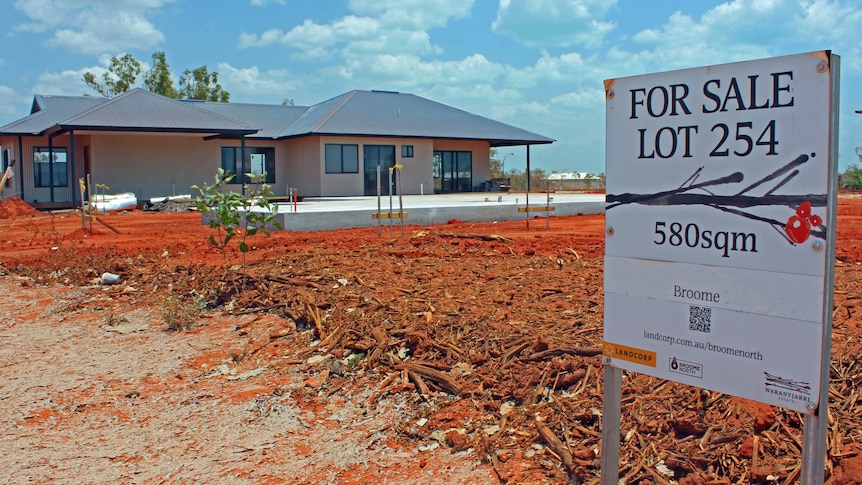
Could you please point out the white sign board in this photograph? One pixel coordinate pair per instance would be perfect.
(718, 183)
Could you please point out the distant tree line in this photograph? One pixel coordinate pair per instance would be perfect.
(518, 180)
(124, 70)
(852, 176)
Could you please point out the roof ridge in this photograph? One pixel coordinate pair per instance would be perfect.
(332, 111)
(29, 117)
(147, 92)
(198, 108)
(107, 102)
(266, 105)
(84, 96)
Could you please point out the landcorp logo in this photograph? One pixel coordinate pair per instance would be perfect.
(692, 369)
(630, 354)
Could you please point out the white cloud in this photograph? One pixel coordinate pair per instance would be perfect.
(93, 26)
(269, 87)
(376, 27)
(750, 29)
(12, 105)
(269, 36)
(413, 14)
(583, 98)
(349, 36)
(505, 104)
(259, 3)
(409, 72)
(545, 23)
(566, 68)
(66, 83)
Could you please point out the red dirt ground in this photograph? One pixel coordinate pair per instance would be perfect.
(456, 354)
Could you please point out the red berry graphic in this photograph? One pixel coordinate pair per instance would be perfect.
(815, 220)
(798, 229)
(804, 210)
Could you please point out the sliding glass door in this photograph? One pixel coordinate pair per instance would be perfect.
(453, 172)
(384, 157)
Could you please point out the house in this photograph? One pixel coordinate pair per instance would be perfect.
(576, 181)
(154, 146)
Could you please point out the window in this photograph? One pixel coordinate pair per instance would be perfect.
(260, 160)
(341, 158)
(47, 172)
(407, 151)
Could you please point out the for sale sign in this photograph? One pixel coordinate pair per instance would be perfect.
(720, 220)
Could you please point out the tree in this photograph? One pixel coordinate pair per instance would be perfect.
(203, 85)
(119, 79)
(496, 169)
(852, 177)
(495, 165)
(123, 72)
(538, 179)
(158, 79)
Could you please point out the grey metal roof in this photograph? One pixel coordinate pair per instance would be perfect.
(47, 110)
(271, 119)
(136, 110)
(384, 113)
(65, 106)
(142, 110)
(357, 113)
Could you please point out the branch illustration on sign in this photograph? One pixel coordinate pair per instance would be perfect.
(800, 225)
(778, 382)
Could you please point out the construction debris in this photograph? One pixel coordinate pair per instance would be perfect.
(173, 203)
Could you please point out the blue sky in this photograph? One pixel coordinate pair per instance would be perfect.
(535, 64)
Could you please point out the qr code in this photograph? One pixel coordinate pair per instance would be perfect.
(699, 318)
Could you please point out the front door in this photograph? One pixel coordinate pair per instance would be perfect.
(382, 156)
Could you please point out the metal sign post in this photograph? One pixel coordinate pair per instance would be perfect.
(815, 424)
(379, 222)
(611, 416)
(720, 236)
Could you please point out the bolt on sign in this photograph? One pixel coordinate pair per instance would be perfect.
(720, 226)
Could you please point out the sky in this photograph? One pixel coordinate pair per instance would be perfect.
(535, 64)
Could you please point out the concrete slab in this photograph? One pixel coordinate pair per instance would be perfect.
(326, 213)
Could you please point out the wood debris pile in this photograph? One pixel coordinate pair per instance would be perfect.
(496, 343)
(499, 344)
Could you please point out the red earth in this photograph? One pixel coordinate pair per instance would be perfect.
(460, 353)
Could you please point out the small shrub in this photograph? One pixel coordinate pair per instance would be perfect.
(178, 314)
(223, 209)
(113, 320)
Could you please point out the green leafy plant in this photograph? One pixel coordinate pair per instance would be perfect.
(233, 215)
(852, 177)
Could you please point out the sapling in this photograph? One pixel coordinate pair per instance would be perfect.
(231, 214)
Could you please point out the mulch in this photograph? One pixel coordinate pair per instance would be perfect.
(497, 339)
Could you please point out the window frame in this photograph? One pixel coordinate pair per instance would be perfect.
(59, 169)
(452, 171)
(329, 165)
(406, 151)
(235, 153)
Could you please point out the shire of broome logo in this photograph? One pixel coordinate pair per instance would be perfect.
(692, 369)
